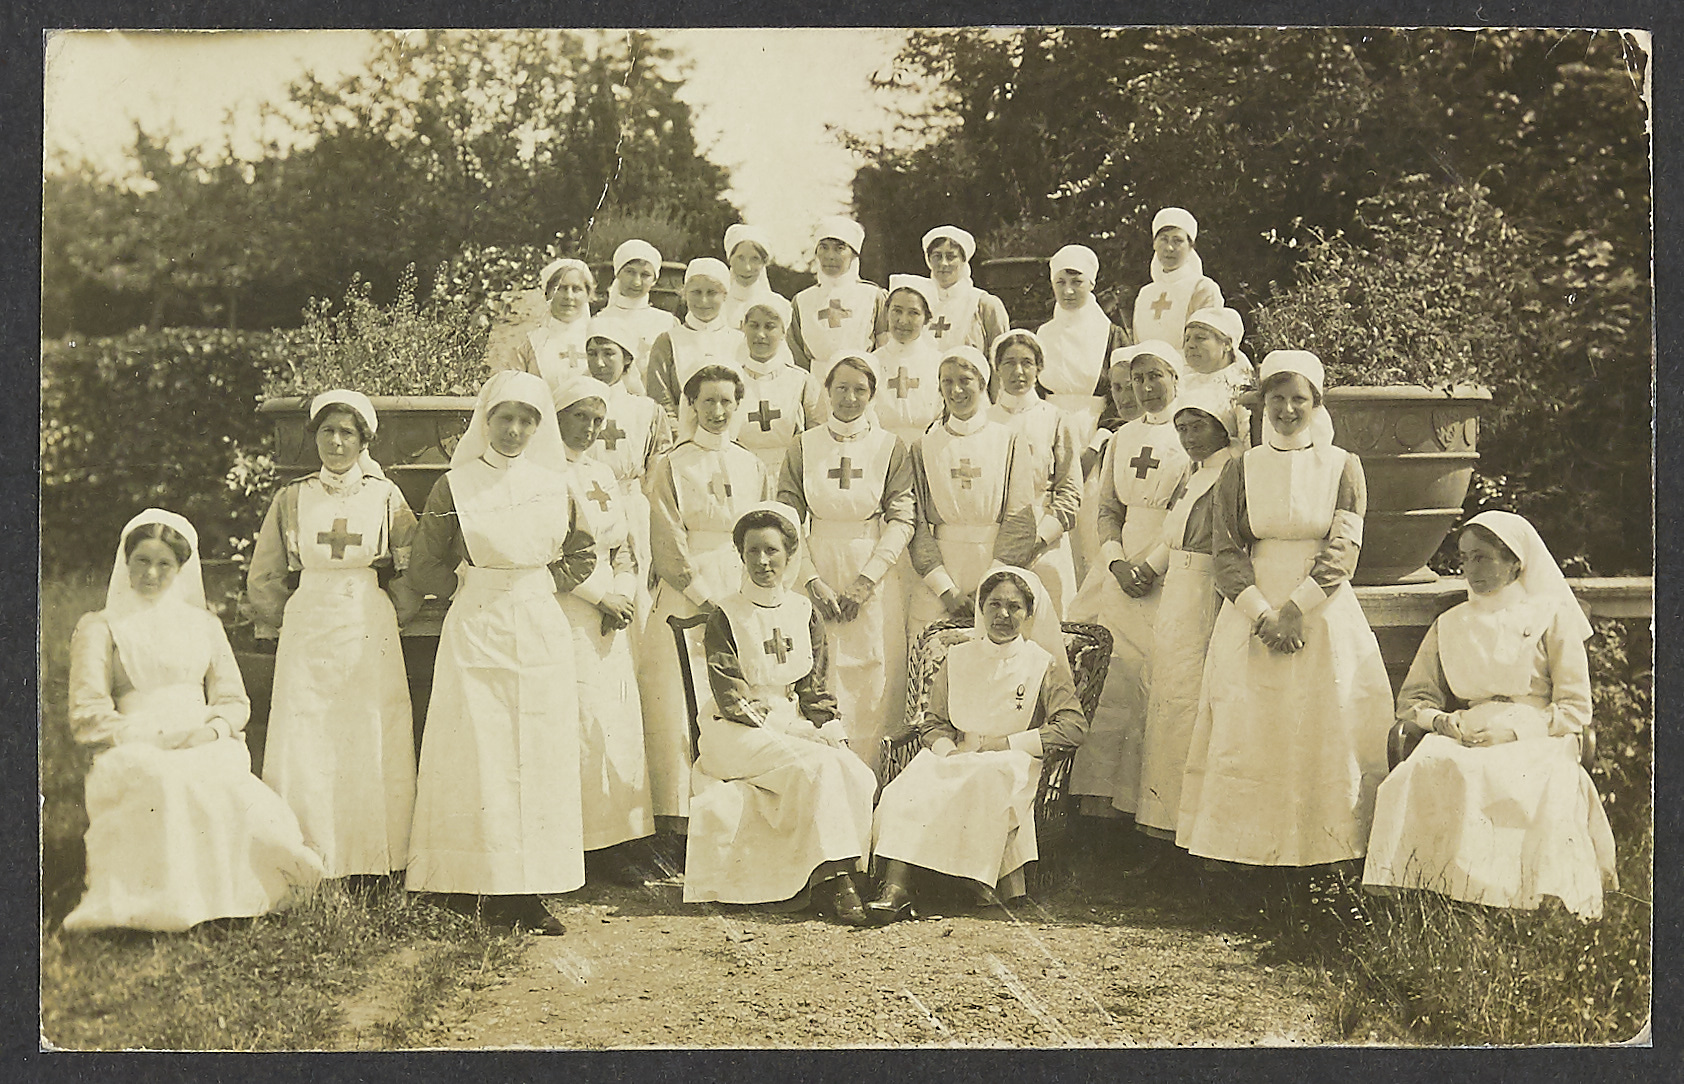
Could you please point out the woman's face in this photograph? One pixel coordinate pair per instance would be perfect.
(1018, 369)
(570, 296)
(338, 441)
(764, 330)
(747, 261)
(1202, 436)
(635, 278)
(907, 315)
(1004, 611)
(1154, 383)
(833, 255)
(1288, 403)
(716, 403)
(1071, 288)
(946, 260)
(581, 422)
(1171, 244)
(961, 388)
(152, 568)
(704, 298)
(765, 555)
(511, 426)
(850, 393)
(1205, 349)
(606, 360)
(1486, 566)
(1122, 391)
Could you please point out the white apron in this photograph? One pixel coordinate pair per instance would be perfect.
(1035, 429)
(1504, 825)
(972, 814)
(908, 401)
(957, 318)
(843, 486)
(628, 433)
(614, 773)
(643, 324)
(497, 808)
(1076, 357)
(772, 803)
(560, 350)
(1187, 605)
(181, 836)
(1162, 306)
(773, 413)
(1288, 749)
(839, 317)
(1145, 462)
(341, 741)
(966, 476)
(714, 489)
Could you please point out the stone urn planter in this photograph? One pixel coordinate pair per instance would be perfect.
(417, 434)
(1418, 449)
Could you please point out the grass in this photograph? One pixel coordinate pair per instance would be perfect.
(277, 982)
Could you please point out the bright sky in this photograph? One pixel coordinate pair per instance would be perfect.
(761, 100)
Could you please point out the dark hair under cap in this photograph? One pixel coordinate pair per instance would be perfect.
(761, 518)
(164, 533)
(993, 580)
(707, 373)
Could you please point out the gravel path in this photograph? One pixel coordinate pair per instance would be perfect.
(638, 968)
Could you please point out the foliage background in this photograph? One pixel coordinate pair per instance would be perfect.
(1428, 204)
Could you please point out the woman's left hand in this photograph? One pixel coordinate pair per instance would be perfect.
(1495, 735)
(992, 744)
(824, 600)
(855, 597)
(1283, 631)
(199, 735)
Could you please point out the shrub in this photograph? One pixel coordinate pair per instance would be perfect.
(405, 348)
(148, 418)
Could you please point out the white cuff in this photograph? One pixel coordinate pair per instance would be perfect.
(1026, 741)
(625, 583)
(696, 595)
(875, 569)
(1101, 438)
(943, 746)
(1111, 551)
(939, 581)
(1049, 530)
(594, 586)
(1158, 559)
(222, 727)
(1252, 603)
(1308, 595)
(1425, 716)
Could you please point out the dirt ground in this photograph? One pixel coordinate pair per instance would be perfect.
(1084, 966)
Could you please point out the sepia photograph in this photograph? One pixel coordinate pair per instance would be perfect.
(956, 537)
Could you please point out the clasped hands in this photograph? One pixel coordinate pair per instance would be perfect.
(1282, 630)
(617, 611)
(844, 607)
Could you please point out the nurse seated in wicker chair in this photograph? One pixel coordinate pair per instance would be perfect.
(965, 806)
(780, 807)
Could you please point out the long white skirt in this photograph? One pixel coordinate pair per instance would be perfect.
(1187, 609)
(1504, 825)
(1057, 571)
(341, 742)
(1108, 765)
(497, 807)
(614, 774)
(770, 808)
(867, 654)
(1287, 750)
(966, 815)
(181, 836)
(666, 721)
(636, 507)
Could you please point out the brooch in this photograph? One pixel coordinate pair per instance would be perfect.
(1022, 690)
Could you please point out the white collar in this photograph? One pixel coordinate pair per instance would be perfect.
(846, 278)
(1016, 404)
(716, 324)
(964, 427)
(491, 457)
(765, 597)
(713, 442)
(842, 430)
(342, 483)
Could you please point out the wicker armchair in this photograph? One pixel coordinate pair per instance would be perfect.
(1400, 743)
(1089, 651)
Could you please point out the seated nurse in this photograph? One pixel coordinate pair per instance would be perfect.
(965, 806)
(780, 807)
(1493, 806)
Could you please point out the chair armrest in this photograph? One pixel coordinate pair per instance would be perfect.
(1587, 748)
(1399, 744)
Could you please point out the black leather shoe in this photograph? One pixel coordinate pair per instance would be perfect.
(844, 902)
(534, 916)
(892, 905)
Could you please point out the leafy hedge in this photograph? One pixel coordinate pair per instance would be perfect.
(164, 417)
